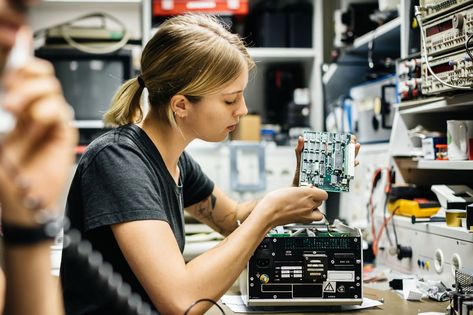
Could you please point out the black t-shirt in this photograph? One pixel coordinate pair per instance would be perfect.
(122, 177)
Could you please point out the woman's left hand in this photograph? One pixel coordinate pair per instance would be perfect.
(298, 151)
(357, 148)
(40, 149)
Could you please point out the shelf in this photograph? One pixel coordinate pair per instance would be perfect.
(421, 172)
(351, 67)
(438, 228)
(93, 1)
(88, 124)
(422, 164)
(437, 104)
(282, 54)
(386, 38)
(341, 69)
(445, 165)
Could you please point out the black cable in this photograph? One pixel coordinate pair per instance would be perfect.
(130, 303)
(371, 51)
(395, 233)
(388, 234)
(204, 300)
(467, 47)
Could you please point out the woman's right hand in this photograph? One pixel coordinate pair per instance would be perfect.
(293, 205)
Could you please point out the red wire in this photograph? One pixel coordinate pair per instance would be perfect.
(387, 189)
(380, 232)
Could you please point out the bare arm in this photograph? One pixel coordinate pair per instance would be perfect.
(220, 212)
(41, 146)
(173, 285)
(31, 289)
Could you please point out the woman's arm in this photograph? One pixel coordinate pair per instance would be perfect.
(31, 288)
(154, 256)
(35, 161)
(220, 212)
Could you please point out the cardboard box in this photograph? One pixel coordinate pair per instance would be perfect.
(248, 129)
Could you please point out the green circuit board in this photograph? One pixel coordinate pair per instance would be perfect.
(327, 161)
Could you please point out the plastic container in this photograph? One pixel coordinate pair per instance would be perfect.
(442, 151)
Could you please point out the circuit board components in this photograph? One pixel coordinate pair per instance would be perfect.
(327, 161)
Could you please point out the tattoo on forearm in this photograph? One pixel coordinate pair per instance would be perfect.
(204, 211)
(213, 200)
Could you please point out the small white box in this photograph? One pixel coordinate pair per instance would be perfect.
(428, 148)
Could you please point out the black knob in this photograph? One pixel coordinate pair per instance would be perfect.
(374, 122)
(404, 252)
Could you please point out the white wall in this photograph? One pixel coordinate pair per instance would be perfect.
(214, 158)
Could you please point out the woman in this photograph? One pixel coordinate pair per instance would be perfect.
(130, 188)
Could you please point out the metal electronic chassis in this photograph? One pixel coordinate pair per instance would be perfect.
(306, 265)
(327, 161)
(448, 32)
(434, 8)
(451, 68)
(444, 46)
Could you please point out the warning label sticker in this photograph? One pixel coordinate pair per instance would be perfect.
(329, 286)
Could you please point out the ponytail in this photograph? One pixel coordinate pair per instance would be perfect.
(126, 105)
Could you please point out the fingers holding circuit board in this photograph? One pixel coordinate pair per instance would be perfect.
(327, 161)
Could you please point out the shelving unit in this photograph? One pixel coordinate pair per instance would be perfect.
(351, 68)
(265, 56)
(384, 39)
(406, 156)
(431, 113)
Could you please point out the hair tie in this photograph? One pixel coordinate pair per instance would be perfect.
(140, 81)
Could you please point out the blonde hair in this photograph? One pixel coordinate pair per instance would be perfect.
(191, 55)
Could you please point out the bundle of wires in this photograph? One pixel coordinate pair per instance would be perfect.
(387, 189)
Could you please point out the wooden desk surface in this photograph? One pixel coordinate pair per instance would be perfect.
(393, 305)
